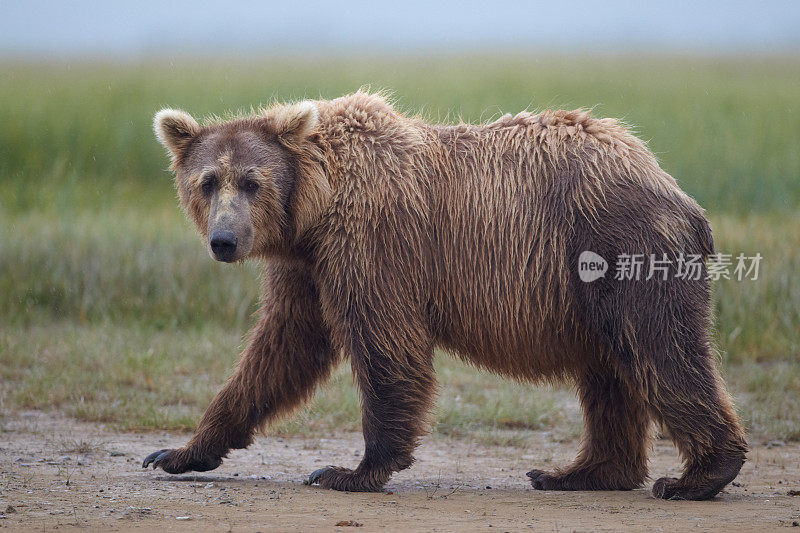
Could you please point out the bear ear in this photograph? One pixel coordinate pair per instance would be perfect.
(175, 129)
(298, 119)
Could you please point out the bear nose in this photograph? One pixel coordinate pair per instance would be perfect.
(223, 244)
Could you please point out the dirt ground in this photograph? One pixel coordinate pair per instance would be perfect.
(59, 474)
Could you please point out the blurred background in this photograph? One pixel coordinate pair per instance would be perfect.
(111, 309)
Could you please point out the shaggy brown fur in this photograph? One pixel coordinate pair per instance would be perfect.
(385, 237)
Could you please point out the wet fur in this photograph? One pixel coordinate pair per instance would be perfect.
(388, 237)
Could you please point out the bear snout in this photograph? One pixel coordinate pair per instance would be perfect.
(223, 245)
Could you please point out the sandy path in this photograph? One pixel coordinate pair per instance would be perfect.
(50, 482)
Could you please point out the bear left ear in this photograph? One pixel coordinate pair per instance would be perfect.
(298, 119)
(175, 129)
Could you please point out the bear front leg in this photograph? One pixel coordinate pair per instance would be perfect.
(375, 289)
(288, 355)
(397, 382)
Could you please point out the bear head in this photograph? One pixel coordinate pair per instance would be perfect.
(252, 185)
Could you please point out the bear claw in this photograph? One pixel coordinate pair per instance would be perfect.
(155, 458)
(542, 480)
(667, 488)
(180, 461)
(343, 479)
(316, 475)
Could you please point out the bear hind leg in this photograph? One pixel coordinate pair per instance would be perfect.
(701, 420)
(613, 453)
(685, 390)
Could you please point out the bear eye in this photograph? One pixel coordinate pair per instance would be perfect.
(208, 184)
(248, 185)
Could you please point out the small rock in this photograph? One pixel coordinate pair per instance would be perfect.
(10, 509)
(793, 492)
(117, 454)
(182, 518)
(348, 523)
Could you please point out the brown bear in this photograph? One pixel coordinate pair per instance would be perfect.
(385, 237)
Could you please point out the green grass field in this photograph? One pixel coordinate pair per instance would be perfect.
(111, 309)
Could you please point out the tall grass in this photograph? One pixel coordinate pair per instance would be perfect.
(145, 266)
(77, 136)
(111, 309)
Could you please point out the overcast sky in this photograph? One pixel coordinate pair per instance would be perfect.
(153, 27)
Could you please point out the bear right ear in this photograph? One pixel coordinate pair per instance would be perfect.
(175, 129)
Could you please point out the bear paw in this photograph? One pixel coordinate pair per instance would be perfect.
(700, 484)
(337, 478)
(580, 479)
(669, 488)
(180, 461)
(541, 480)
